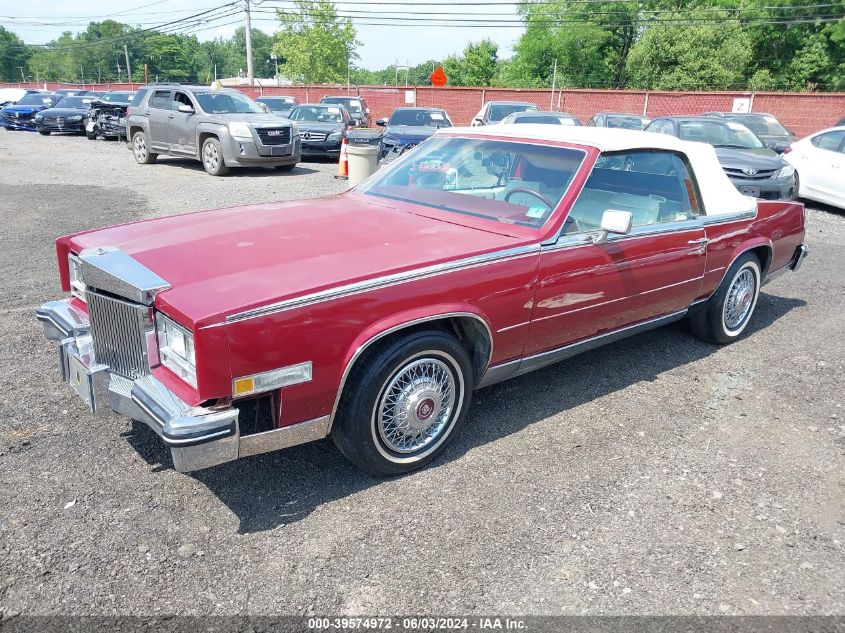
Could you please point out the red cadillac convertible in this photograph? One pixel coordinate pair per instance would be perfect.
(372, 316)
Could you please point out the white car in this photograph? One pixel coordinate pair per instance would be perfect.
(819, 162)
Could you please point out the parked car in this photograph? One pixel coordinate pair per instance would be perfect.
(408, 127)
(222, 128)
(619, 120)
(548, 118)
(371, 317)
(819, 162)
(107, 116)
(70, 92)
(67, 115)
(322, 128)
(766, 126)
(753, 168)
(494, 111)
(281, 106)
(21, 115)
(356, 106)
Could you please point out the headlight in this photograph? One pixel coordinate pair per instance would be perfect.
(786, 171)
(240, 130)
(335, 136)
(77, 286)
(176, 349)
(39, 116)
(75, 117)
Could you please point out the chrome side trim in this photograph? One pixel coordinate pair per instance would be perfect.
(518, 367)
(725, 218)
(586, 238)
(112, 270)
(385, 281)
(300, 433)
(362, 348)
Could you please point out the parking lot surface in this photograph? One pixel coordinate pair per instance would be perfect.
(659, 475)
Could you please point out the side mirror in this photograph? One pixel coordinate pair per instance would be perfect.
(616, 222)
(381, 122)
(184, 107)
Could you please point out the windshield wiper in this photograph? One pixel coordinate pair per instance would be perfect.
(729, 146)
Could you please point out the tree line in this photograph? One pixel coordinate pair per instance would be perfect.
(661, 44)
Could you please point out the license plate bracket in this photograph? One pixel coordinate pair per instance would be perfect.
(81, 381)
(750, 191)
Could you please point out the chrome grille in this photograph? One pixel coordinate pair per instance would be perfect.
(273, 135)
(761, 174)
(313, 136)
(118, 333)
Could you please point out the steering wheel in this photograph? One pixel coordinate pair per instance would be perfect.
(530, 192)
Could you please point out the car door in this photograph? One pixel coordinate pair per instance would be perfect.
(182, 126)
(158, 116)
(586, 289)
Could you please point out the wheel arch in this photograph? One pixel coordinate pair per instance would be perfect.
(470, 327)
(761, 247)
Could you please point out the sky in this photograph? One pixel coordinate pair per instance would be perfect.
(39, 21)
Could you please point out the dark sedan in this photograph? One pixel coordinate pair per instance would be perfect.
(752, 167)
(408, 127)
(282, 106)
(766, 126)
(322, 128)
(619, 120)
(68, 115)
(536, 116)
(21, 115)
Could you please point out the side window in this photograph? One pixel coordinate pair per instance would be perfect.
(830, 141)
(180, 98)
(656, 187)
(160, 100)
(661, 127)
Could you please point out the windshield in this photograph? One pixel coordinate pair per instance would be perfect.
(353, 105)
(499, 111)
(278, 103)
(37, 99)
(627, 122)
(719, 134)
(553, 119)
(117, 97)
(766, 125)
(227, 102)
(75, 102)
(422, 118)
(322, 114)
(505, 181)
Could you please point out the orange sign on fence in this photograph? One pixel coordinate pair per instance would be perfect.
(438, 77)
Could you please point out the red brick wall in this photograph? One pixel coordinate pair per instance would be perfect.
(803, 113)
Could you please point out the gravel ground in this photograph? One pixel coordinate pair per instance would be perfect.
(660, 475)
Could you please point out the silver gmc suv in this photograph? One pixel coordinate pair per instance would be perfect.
(221, 127)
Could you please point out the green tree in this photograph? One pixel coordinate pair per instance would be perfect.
(13, 56)
(317, 46)
(696, 56)
(479, 63)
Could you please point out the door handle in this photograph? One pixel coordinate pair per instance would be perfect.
(702, 241)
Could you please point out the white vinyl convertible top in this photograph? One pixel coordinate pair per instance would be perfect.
(720, 196)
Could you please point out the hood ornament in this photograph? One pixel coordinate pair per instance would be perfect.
(749, 171)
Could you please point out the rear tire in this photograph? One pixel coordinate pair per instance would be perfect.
(403, 403)
(212, 158)
(143, 155)
(725, 315)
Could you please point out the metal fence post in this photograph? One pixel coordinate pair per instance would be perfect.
(645, 105)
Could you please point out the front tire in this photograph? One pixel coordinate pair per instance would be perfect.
(91, 136)
(725, 315)
(212, 158)
(403, 403)
(44, 132)
(141, 151)
(286, 167)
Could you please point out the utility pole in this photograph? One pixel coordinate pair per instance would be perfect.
(554, 79)
(23, 77)
(128, 68)
(250, 73)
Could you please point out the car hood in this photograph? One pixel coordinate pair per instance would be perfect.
(762, 158)
(65, 112)
(410, 133)
(23, 109)
(261, 118)
(224, 261)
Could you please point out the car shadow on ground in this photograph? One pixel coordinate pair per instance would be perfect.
(237, 172)
(283, 487)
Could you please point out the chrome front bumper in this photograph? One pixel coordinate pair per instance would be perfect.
(198, 437)
(798, 258)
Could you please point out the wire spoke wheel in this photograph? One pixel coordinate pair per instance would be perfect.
(740, 300)
(417, 405)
